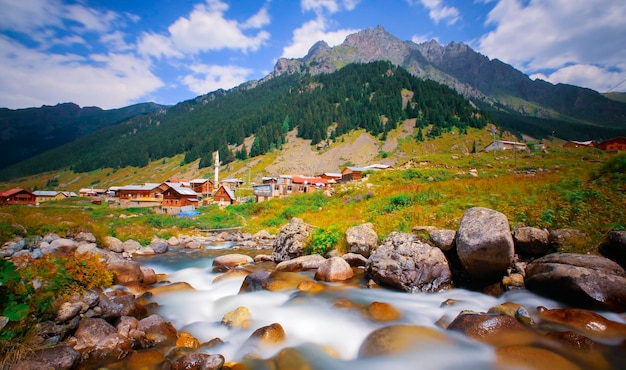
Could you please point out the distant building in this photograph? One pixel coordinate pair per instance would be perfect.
(17, 196)
(615, 144)
(224, 196)
(146, 195)
(48, 195)
(176, 199)
(578, 144)
(352, 173)
(91, 192)
(506, 145)
(233, 184)
(332, 177)
(203, 187)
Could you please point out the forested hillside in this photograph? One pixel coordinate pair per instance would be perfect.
(368, 96)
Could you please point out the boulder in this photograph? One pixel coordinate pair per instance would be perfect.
(291, 240)
(131, 246)
(113, 244)
(97, 339)
(531, 241)
(262, 234)
(159, 246)
(354, 259)
(270, 334)
(382, 311)
(62, 246)
(585, 281)
(202, 361)
(490, 328)
(228, 261)
(149, 276)
(157, 330)
(396, 339)
(59, 358)
(484, 243)
(125, 271)
(334, 269)
(406, 263)
(272, 281)
(443, 239)
(614, 247)
(308, 262)
(362, 239)
(85, 237)
(173, 241)
(187, 340)
(12, 247)
(584, 322)
(239, 317)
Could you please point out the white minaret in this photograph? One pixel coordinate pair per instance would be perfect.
(217, 167)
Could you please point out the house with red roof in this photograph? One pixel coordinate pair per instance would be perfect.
(17, 196)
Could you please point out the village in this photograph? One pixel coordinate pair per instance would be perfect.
(182, 197)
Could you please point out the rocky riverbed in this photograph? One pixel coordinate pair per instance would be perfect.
(123, 327)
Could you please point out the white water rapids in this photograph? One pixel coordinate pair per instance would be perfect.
(313, 324)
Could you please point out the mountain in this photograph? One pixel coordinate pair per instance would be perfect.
(27, 132)
(491, 84)
(375, 97)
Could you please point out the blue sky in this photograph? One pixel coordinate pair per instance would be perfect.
(115, 53)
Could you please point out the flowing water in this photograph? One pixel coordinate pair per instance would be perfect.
(329, 337)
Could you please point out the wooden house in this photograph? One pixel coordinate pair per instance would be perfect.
(17, 196)
(147, 195)
(177, 198)
(48, 195)
(307, 184)
(224, 196)
(614, 144)
(352, 173)
(578, 144)
(203, 187)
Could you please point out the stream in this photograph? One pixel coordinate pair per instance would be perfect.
(328, 335)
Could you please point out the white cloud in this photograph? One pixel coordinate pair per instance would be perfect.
(206, 29)
(597, 78)
(206, 78)
(419, 39)
(330, 6)
(438, 11)
(33, 78)
(310, 33)
(565, 36)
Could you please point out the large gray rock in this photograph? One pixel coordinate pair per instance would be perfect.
(85, 237)
(113, 244)
(12, 247)
(406, 263)
(443, 239)
(291, 240)
(614, 247)
(362, 239)
(97, 339)
(159, 246)
(484, 243)
(531, 240)
(334, 269)
(581, 280)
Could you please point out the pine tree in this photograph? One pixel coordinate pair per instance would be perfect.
(420, 135)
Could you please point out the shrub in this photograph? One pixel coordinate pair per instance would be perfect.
(29, 292)
(322, 241)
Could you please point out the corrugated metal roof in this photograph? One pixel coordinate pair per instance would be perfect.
(45, 193)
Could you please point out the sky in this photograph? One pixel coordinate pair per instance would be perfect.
(114, 53)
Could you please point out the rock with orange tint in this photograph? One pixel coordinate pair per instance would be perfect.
(236, 272)
(526, 357)
(228, 261)
(395, 339)
(174, 287)
(381, 311)
(147, 359)
(237, 318)
(334, 269)
(125, 271)
(310, 286)
(585, 322)
(272, 281)
(270, 334)
(149, 276)
(157, 330)
(198, 361)
(497, 330)
(187, 340)
(308, 262)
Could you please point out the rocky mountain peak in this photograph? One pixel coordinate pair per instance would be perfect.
(317, 48)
